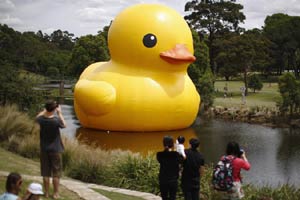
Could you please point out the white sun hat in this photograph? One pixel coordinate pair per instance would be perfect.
(35, 188)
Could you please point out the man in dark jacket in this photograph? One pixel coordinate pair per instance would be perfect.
(169, 169)
(192, 169)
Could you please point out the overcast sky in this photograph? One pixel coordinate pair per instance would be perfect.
(83, 17)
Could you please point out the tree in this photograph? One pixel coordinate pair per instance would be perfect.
(286, 43)
(200, 72)
(54, 63)
(197, 69)
(87, 50)
(9, 43)
(62, 39)
(206, 89)
(214, 18)
(244, 53)
(17, 88)
(289, 88)
(255, 83)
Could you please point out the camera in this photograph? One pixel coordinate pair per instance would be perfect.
(241, 152)
(56, 104)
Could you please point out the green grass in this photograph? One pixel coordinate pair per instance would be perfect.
(116, 196)
(267, 97)
(14, 163)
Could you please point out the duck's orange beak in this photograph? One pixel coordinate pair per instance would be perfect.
(178, 55)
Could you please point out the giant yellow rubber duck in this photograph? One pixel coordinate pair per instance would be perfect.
(145, 86)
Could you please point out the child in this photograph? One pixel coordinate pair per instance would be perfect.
(180, 147)
(34, 191)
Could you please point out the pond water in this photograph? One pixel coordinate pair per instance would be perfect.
(274, 153)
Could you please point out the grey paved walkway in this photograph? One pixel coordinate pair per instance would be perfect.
(85, 190)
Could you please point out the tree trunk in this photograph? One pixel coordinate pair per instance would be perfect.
(245, 81)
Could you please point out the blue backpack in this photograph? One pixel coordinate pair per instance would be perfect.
(222, 179)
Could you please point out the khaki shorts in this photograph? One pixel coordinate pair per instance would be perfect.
(51, 164)
(235, 193)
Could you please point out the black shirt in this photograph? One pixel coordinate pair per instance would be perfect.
(191, 169)
(50, 139)
(169, 166)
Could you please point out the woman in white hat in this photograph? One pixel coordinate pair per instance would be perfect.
(34, 191)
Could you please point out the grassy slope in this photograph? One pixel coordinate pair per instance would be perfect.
(266, 97)
(13, 163)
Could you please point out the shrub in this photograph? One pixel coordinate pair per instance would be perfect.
(14, 123)
(135, 172)
(28, 146)
(255, 82)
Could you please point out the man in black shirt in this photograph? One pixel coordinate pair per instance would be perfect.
(192, 169)
(169, 169)
(51, 145)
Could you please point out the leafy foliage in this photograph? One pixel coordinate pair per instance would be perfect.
(255, 83)
(17, 88)
(286, 44)
(214, 18)
(206, 89)
(200, 72)
(289, 88)
(197, 68)
(244, 53)
(87, 50)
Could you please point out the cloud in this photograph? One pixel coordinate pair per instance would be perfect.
(6, 6)
(12, 21)
(256, 10)
(83, 17)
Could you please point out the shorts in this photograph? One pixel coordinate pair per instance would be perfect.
(236, 192)
(51, 164)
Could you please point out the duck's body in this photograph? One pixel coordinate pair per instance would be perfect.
(141, 90)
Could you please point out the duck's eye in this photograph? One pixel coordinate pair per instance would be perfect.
(149, 40)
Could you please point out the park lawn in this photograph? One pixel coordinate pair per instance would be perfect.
(11, 162)
(14, 163)
(117, 196)
(266, 97)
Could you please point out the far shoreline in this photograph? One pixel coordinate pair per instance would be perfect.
(261, 116)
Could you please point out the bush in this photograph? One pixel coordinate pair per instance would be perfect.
(206, 89)
(255, 82)
(14, 123)
(136, 172)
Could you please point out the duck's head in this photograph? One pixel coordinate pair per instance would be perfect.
(151, 36)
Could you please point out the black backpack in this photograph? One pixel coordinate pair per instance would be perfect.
(222, 179)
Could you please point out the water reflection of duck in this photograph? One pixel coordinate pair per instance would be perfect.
(144, 87)
(142, 142)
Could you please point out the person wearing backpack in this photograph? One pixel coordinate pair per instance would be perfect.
(193, 168)
(227, 173)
